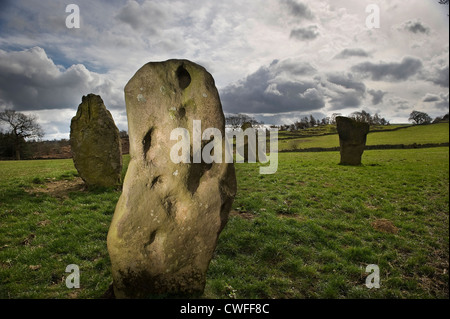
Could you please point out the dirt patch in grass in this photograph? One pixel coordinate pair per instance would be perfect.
(61, 188)
(385, 226)
(44, 223)
(291, 216)
(244, 215)
(371, 207)
(28, 240)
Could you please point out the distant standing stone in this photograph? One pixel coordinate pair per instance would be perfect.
(168, 219)
(352, 139)
(247, 150)
(95, 143)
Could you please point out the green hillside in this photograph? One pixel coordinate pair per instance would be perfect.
(420, 134)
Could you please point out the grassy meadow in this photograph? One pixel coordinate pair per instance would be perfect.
(421, 134)
(308, 231)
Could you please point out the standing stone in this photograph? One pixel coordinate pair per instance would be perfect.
(95, 143)
(247, 150)
(169, 216)
(250, 151)
(352, 139)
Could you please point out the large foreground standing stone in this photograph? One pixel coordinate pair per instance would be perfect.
(95, 143)
(352, 139)
(169, 216)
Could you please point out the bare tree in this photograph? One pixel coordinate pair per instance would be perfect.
(21, 127)
(237, 120)
(419, 118)
(333, 118)
(362, 116)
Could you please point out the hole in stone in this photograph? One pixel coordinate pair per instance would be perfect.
(155, 180)
(146, 143)
(184, 78)
(151, 239)
(182, 112)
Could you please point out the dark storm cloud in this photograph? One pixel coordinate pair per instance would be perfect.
(347, 82)
(294, 86)
(29, 80)
(440, 101)
(268, 90)
(304, 34)
(298, 9)
(346, 100)
(344, 90)
(377, 96)
(440, 76)
(293, 67)
(347, 53)
(443, 103)
(431, 98)
(393, 71)
(416, 27)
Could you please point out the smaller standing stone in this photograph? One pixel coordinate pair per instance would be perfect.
(352, 139)
(247, 151)
(95, 143)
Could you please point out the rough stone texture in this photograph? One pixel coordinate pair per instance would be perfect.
(169, 216)
(352, 139)
(95, 143)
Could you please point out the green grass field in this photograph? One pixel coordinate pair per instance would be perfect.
(307, 231)
(421, 134)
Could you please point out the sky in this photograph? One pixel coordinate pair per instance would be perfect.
(276, 60)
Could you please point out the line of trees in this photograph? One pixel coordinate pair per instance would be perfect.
(310, 121)
(366, 117)
(237, 120)
(443, 118)
(421, 118)
(417, 117)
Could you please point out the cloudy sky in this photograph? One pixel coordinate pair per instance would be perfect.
(277, 60)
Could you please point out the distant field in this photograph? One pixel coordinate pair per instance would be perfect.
(421, 134)
(307, 231)
(331, 129)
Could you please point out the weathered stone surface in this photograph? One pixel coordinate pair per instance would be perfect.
(169, 216)
(95, 143)
(352, 139)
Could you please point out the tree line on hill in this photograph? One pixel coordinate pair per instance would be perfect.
(22, 137)
(362, 116)
(420, 118)
(237, 120)
(416, 117)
